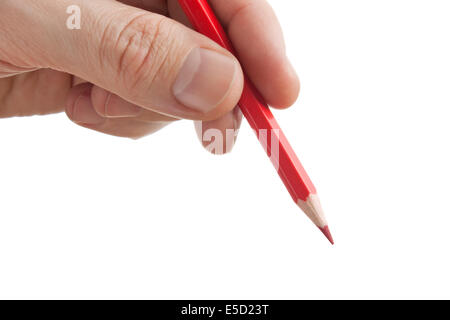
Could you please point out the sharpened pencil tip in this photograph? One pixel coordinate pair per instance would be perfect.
(326, 231)
(314, 211)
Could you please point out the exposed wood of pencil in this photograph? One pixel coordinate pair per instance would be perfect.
(313, 209)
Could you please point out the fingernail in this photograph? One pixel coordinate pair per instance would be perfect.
(219, 135)
(83, 111)
(199, 129)
(204, 80)
(118, 108)
(237, 121)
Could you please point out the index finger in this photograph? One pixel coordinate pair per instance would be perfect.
(258, 39)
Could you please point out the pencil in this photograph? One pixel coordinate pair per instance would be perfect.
(262, 121)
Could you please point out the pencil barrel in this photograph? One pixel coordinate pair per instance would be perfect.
(255, 109)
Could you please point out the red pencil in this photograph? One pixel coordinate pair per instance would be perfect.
(261, 119)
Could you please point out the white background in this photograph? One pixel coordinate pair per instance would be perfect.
(85, 215)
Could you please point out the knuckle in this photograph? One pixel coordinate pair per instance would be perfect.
(141, 50)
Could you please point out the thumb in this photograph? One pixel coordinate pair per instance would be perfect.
(145, 58)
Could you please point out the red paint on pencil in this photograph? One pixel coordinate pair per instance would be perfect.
(261, 119)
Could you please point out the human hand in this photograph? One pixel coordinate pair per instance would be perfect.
(132, 69)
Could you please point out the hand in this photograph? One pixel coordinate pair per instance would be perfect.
(132, 69)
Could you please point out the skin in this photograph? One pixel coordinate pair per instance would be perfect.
(45, 68)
